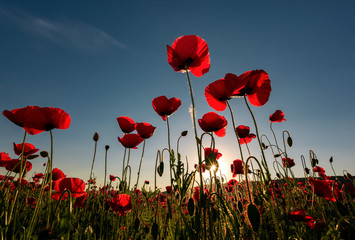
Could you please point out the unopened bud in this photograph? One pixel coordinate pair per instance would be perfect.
(331, 159)
(44, 154)
(96, 137)
(107, 147)
(184, 133)
(350, 177)
(278, 175)
(306, 170)
(33, 156)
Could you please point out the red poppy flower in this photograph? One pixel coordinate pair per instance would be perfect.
(190, 51)
(112, 178)
(31, 201)
(244, 135)
(37, 119)
(323, 188)
(212, 122)
(277, 116)
(4, 159)
(38, 176)
(290, 162)
(237, 167)
(130, 140)
(28, 149)
(168, 189)
(145, 130)
(232, 182)
(203, 167)
(121, 203)
(14, 165)
(209, 151)
(319, 170)
(126, 124)
(75, 185)
(146, 182)
(57, 174)
(165, 107)
(258, 87)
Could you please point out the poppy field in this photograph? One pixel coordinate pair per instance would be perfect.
(263, 200)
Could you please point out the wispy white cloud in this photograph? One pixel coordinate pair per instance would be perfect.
(63, 32)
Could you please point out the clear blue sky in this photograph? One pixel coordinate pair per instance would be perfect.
(100, 60)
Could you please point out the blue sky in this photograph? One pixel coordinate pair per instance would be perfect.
(98, 61)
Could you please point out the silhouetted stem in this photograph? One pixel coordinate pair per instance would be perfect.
(235, 131)
(257, 135)
(140, 164)
(92, 165)
(171, 175)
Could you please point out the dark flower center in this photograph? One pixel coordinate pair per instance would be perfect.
(49, 126)
(187, 62)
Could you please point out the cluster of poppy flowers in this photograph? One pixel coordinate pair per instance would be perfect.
(132, 140)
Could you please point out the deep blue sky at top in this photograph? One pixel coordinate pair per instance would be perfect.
(100, 60)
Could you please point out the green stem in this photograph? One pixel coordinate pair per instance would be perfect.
(124, 158)
(92, 166)
(140, 164)
(235, 130)
(171, 178)
(196, 137)
(257, 135)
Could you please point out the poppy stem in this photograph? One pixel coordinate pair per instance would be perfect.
(257, 136)
(195, 130)
(92, 166)
(171, 178)
(124, 158)
(235, 131)
(50, 163)
(140, 164)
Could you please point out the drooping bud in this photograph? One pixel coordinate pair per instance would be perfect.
(184, 133)
(96, 137)
(306, 170)
(44, 154)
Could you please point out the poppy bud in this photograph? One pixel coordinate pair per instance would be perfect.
(161, 169)
(96, 137)
(349, 176)
(107, 147)
(44, 154)
(184, 133)
(289, 141)
(254, 217)
(278, 175)
(277, 155)
(331, 159)
(264, 146)
(30, 157)
(306, 170)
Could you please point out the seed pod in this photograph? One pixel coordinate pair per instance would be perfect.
(96, 137)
